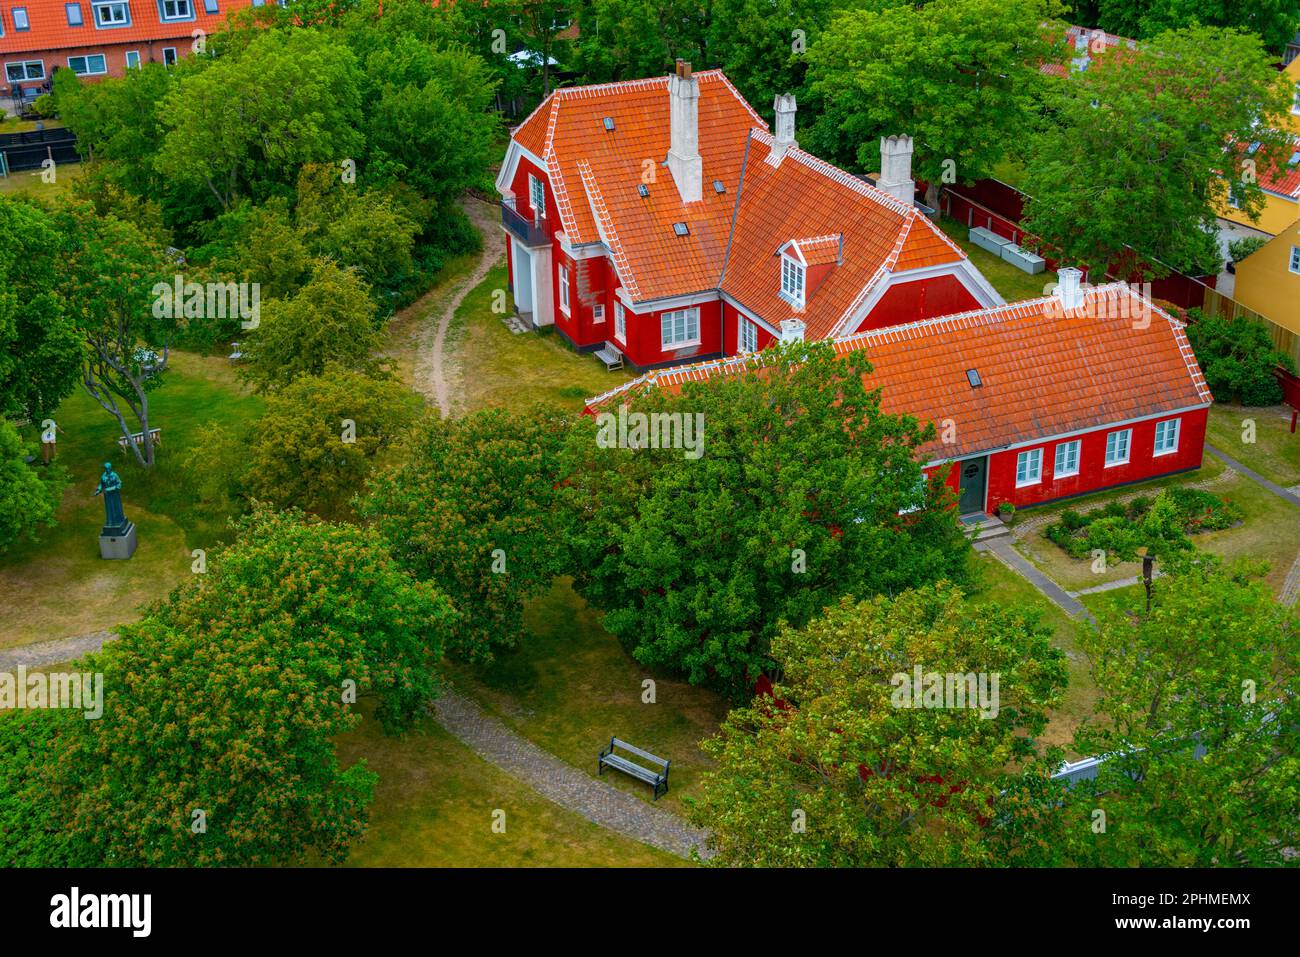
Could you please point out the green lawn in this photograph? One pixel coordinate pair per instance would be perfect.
(434, 803)
(1012, 283)
(30, 183)
(570, 686)
(1274, 453)
(407, 330)
(1001, 586)
(59, 586)
(492, 366)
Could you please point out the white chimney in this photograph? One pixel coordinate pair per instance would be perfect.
(792, 330)
(896, 168)
(784, 106)
(1068, 288)
(684, 146)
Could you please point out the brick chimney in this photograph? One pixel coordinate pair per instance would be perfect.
(684, 146)
(784, 106)
(896, 168)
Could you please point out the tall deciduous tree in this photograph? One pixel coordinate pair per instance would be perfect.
(472, 509)
(959, 76)
(1274, 21)
(840, 769)
(794, 499)
(1145, 144)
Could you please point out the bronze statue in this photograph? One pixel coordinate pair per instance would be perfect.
(110, 486)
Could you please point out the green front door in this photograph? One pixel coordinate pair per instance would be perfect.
(972, 486)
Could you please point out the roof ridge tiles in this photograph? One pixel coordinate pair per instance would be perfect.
(605, 226)
(843, 177)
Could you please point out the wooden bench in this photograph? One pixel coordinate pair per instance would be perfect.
(656, 779)
(138, 437)
(610, 355)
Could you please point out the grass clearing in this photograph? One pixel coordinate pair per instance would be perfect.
(1275, 453)
(31, 184)
(59, 586)
(569, 685)
(433, 808)
(1010, 282)
(492, 366)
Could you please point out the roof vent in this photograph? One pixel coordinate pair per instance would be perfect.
(973, 377)
(718, 187)
(681, 229)
(609, 124)
(642, 191)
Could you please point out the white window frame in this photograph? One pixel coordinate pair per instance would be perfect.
(86, 58)
(27, 20)
(620, 323)
(98, 10)
(172, 51)
(1112, 448)
(128, 55)
(1029, 467)
(24, 64)
(1294, 263)
(1170, 445)
(67, 12)
(675, 328)
(1295, 100)
(537, 196)
(748, 338)
(794, 280)
(1067, 451)
(597, 313)
(564, 289)
(168, 18)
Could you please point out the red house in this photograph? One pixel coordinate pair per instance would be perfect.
(95, 38)
(661, 216)
(1034, 401)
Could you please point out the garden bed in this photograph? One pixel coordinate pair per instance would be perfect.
(1125, 530)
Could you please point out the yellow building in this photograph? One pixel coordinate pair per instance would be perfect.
(1268, 280)
(1282, 187)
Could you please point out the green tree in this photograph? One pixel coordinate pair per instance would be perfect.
(794, 499)
(959, 76)
(630, 39)
(227, 699)
(843, 769)
(1212, 665)
(472, 509)
(1238, 357)
(322, 436)
(330, 321)
(40, 351)
(1274, 21)
(27, 500)
(1188, 101)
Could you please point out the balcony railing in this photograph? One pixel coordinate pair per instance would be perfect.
(521, 227)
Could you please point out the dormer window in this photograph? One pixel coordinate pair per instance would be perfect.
(792, 280)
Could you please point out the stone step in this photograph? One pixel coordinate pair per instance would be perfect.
(990, 526)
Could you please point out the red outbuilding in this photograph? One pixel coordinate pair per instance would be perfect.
(662, 218)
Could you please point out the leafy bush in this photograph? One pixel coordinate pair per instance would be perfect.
(1122, 529)
(1239, 249)
(1237, 357)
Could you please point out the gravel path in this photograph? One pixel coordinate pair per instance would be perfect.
(563, 784)
(430, 364)
(53, 652)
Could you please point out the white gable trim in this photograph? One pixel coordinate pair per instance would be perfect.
(514, 152)
(962, 270)
(648, 306)
(750, 314)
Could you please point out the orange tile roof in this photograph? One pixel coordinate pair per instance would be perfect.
(779, 202)
(595, 172)
(1284, 178)
(1045, 371)
(833, 215)
(50, 30)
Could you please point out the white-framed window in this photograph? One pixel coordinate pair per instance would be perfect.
(177, 10)
(792, 280)
(1295, 100)
(597, 313)
(169, 56)
(537, 196)
(1166, 437)
(620, 322)
(1295, 259)
(564, 289)
(73, 10)
(132, 59)
(748, 336)
(1067, 459)
(1117, 447)
(20, 19)
(92, 64)
(681, 327)
(22, 70)
(1029, 467)
(111, 14)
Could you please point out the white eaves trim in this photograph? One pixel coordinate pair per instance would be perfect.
(514, 152)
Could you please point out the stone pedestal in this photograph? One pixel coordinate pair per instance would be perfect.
(117, 543)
